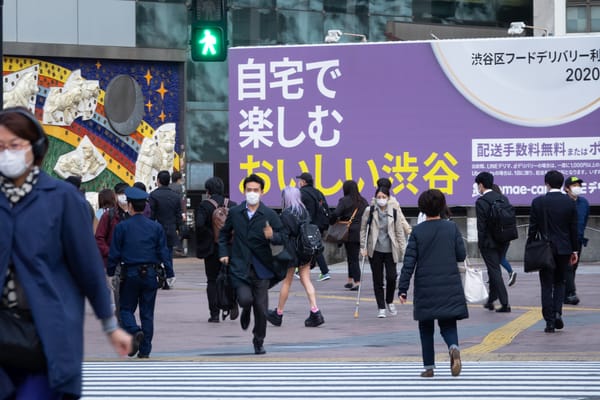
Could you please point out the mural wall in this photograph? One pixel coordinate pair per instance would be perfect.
(108, 121)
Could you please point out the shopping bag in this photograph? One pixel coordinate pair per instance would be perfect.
(475, 290)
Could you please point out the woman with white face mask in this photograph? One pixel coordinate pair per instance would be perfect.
(384, 246)
(48, 266)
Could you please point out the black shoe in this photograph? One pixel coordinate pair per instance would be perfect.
(245, 318)
(259, 349)
(355, 288)
(234, 312)
(573, 300)
(512, 278)
(213, 319)
(503, 309)
(558, 322)
(549, 327)
(314, 319)
(489, 306)
(274, 318)
(348, 285)
(137, 338)
(143, 355)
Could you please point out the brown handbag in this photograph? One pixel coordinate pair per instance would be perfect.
(338, 232)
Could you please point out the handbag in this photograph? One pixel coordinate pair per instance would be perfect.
(474, 286)
(539, 252)
(338, 232)
(20, 345)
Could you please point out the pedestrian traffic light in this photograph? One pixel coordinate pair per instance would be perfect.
(209, 42)
(209, 31)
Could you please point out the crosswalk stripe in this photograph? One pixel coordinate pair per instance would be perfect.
(358, 380)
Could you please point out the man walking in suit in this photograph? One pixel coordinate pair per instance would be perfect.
(491, 250)
(555, 216)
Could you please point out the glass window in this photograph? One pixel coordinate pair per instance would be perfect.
(576, 19)
(161, 25)
(300, 27)
(595, 21)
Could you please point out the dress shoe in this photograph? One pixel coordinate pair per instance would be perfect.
(455, 363)
(213, 319)
(234, 312)
(355, 287)
(489, 306)
(558, 322)
(245, 318)
(135, 343)
(143, 355)
(549, 327)
(573, 300)
(428, 373)
(259, 349)
(503, 309)
(348, 285)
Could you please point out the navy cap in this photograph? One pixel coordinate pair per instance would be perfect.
(134, 193)
(571, 180)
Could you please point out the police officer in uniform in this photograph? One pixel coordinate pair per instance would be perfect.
(139, 246)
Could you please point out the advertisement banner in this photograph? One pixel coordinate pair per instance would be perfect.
(423, 114)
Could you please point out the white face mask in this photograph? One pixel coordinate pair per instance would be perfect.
(382, 202)
(252, 198)
(122, 199)
(576, 190)
(13, 163)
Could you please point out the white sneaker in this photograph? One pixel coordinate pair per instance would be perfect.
(381, 313)
(392, 309)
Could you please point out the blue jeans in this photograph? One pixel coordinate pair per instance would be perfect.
(426, 330)
(137, 289)
(506, 265)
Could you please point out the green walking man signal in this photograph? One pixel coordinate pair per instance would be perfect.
(208, 43)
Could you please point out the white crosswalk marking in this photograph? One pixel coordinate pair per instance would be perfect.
(339, 380)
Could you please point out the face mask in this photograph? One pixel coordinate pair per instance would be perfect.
(382, 202)
(12, 163)
(122, 199)
(576, 190)
(252, 198)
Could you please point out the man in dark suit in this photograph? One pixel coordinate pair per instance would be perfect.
(165, 207)
(491, 250)
(555, 216)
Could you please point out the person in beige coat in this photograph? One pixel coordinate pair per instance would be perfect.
(384, 246)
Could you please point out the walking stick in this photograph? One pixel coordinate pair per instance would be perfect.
(362, 267)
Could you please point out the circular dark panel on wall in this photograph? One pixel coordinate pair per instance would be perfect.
(124, 104)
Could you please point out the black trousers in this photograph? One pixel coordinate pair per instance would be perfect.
(492, 257)
(570, 289)
(379, 261)
(212, 265)
(256, 295)
(352, 254)
(553, 288)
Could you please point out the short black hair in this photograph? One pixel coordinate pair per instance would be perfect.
(140, 186)
(486, 179)
(164, 177)
(120, 187)
(137, 205)
(255, 178)
(176, 176)
(554, 179)
(215, 185)
(432, 202)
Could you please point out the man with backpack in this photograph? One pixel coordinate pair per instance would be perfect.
(210, 217)
(492, 241)
(317, 207)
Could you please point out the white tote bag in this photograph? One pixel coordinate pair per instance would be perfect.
(475, 290)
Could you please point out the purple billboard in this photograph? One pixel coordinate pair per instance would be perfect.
(424, 114)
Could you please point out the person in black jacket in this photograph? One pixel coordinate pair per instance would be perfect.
(206, 247)
(555, 216)
(351, 206)
(249, 257)
(165, 205)
(434, 248)
(491, 251)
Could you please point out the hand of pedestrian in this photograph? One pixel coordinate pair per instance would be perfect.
(402, 298)
(224, 260)
(171, 281)
(268, 231)
(121, 341)
(363, 252)
(574, 258)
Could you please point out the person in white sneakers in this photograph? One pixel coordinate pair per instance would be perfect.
(382, 239)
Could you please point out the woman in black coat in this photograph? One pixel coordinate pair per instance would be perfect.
(351, 206)
(434, 248)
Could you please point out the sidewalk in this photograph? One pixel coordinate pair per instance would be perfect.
(183, 333)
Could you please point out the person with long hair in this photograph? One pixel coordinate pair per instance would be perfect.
(294, 213)
(351, 207)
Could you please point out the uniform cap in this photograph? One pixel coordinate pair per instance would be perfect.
(134, 193)
(571, 180)
(306, 177)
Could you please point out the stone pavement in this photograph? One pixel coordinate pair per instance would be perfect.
(183, 333)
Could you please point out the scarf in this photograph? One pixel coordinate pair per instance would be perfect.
(13, 193)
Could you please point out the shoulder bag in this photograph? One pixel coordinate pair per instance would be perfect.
(539, 253)
(338, 232)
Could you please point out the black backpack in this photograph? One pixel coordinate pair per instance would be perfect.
(309, 243)
(226, 297)
(502, 221)
(322, 209)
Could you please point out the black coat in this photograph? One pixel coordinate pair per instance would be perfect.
(482, 210)
(205, 243)
(562, 221)
(291, 229)
(343, 212)
(166, 209)
(434, 248)
(248, 239)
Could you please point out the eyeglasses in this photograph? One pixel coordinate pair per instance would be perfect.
(15, 146)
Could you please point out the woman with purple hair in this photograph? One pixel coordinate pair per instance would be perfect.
(292, 216)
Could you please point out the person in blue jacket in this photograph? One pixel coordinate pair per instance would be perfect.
(139, 245)
(49, 264)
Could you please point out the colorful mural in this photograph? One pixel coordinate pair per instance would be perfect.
(69, 99)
